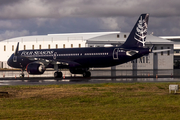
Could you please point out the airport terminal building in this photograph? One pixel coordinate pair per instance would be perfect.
(154, 61)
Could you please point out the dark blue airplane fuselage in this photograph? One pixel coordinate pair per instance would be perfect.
(78, 57)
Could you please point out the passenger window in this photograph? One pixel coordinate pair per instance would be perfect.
(63, 45)
(24, 47)
(4, 48)
(168, 52)
(33, 47)
(161, 52)
(49, 46)
(12, 47)
(117, 35)
(56, 46)
(39, 46)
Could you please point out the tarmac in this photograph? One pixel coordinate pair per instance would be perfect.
(97, 76)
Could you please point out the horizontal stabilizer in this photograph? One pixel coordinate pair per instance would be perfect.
(131, 52)
(157, 51)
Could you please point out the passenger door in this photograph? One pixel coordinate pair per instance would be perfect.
(115, 54)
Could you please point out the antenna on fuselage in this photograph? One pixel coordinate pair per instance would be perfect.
(17, 49)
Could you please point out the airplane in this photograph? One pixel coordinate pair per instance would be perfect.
(79, 60)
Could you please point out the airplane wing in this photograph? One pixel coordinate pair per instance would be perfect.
(58, 62)
(46, 61)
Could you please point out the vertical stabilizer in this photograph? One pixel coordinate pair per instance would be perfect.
(137, 37)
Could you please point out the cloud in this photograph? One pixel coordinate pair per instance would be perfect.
(10, 34)
(110, 23)
(8, 2)
(60, 16)
(24, 9)
(7, 24)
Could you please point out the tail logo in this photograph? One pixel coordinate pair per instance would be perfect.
(141, 31)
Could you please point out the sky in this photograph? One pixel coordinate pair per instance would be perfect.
(42, 17)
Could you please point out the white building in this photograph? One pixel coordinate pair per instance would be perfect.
(176, 42)
(163, 60)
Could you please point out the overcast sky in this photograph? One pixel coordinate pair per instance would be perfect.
(41, 17)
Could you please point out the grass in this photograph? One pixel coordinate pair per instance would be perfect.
(90, 101)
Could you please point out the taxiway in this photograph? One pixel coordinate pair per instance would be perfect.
(98, 76)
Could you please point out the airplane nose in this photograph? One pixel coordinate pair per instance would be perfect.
(9, 61)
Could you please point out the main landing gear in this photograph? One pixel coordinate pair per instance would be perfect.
(58, 75)
(83, 71)
(87, 74)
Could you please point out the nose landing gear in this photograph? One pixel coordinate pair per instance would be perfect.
(22, 74)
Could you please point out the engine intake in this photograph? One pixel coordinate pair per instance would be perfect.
(35, 68)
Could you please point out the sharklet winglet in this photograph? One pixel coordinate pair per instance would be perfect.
(17, 49)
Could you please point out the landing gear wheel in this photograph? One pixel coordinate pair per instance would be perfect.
(21, 75)
(87, 74)
(58, 75)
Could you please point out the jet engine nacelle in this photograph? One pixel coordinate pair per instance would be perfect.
(35, 68)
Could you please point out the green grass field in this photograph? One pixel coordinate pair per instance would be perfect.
(110, 101)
